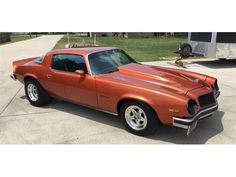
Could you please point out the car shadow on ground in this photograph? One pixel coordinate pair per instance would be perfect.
(205, 130)
(85, 112)
(216, 64)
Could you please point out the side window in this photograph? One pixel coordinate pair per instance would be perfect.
(58, 63)
(202, 37)
(226, 38)
(75, 62)
(69, 63)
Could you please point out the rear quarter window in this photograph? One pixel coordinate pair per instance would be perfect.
(39, 59)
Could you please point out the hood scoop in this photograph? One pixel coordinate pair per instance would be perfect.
(140, 70)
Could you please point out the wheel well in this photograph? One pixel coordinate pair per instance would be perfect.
(33, 78)
(29, 77)
(122, 101)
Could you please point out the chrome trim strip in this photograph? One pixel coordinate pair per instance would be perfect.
(180, 125)
(95, 108)
(108, 112)
(98, 109)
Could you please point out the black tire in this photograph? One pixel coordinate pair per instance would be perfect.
(152, 119)
(43, 97)
(185, 50)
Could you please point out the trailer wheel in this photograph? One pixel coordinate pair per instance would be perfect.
(185, 50)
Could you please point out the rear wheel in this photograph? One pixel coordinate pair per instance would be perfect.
(139, 118)
(36, 95)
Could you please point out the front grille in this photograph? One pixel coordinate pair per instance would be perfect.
(206, 100)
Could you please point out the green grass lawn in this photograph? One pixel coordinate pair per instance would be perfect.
(141, 49)
(17, 38)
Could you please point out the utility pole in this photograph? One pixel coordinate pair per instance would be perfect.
(68, 41)
(68, 38)
(94, 40)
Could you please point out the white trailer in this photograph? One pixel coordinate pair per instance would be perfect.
(211, 45)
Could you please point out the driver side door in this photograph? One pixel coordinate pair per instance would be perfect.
(77, 88)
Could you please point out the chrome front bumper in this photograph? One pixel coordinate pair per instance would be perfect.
(191, 123)
(217, 94)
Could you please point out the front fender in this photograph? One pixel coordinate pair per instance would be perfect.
(165, 105)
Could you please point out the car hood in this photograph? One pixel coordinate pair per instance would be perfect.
(156, 78)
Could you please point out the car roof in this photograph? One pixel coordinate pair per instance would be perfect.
(81, 50)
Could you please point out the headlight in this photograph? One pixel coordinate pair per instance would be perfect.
(192, 106)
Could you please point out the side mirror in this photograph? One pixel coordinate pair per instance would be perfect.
(80, 72)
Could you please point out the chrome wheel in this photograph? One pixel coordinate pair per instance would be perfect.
(32, 92)
(136, 117)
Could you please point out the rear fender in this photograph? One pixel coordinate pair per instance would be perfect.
(29, 75)
(21, 62)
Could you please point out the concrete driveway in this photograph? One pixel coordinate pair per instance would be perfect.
(61, 122)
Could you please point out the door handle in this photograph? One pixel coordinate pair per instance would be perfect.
(49, 75)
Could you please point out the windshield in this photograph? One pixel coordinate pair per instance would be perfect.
(108, 61)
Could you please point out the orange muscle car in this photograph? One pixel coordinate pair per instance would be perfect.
(107, 79)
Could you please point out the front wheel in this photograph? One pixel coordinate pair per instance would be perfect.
(36, 95)
(139, 118)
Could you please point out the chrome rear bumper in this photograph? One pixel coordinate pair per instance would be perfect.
(13, 76)
(190, 123)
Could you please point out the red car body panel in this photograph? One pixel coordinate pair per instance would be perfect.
(163, 89)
